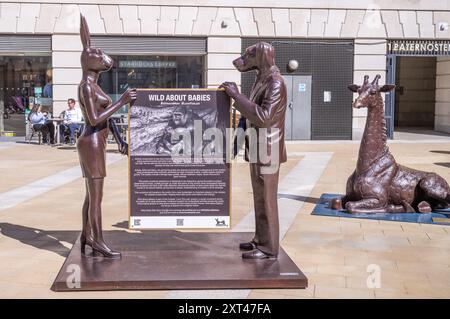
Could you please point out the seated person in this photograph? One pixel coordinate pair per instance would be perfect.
(71, 118)
(40, 123)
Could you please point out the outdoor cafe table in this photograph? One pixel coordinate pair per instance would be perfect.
(56, 122)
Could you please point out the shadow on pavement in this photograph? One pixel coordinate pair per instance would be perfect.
(440, 152)
(312, 200)
(443, 164)
(123, 225)
(41, 239)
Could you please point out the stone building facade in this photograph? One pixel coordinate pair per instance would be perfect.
(224, 26)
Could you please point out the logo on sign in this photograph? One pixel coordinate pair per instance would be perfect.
(220, 222)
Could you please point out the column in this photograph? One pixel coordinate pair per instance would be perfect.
(66, 51)
(370, 59)
(442, 108)
(221, 53)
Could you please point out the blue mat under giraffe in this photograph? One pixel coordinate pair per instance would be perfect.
(439, 217)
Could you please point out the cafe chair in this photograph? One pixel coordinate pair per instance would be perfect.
(78, 132)
(34, 132)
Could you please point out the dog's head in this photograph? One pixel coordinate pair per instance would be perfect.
(92, 59)
(256, 57)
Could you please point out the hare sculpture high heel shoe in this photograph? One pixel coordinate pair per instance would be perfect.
(85, 241)
(101, 250)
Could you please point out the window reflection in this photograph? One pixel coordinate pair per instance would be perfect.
(24, 81)
(152, 72)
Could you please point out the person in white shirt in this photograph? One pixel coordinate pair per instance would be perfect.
(39, 121)
(71, 121)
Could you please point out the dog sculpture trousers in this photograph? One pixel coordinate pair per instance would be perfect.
(379, 184)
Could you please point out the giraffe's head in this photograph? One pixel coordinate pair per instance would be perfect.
(368, 92)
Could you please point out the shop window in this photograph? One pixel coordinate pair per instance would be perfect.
(24, 81)
(152, 72)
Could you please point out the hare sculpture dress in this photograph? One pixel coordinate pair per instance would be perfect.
(91, 145)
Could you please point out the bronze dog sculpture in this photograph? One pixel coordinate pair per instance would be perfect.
(97, 108)
(379, 184)
(265, 109)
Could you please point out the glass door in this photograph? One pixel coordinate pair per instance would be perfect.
(389, 104)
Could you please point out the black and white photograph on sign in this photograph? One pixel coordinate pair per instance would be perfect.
(152, 128)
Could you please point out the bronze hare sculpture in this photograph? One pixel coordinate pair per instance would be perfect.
(379, 184)
(97, 109)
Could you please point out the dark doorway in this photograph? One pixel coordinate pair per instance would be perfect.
(415, 93)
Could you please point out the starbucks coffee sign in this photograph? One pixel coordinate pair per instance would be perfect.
(145, 64)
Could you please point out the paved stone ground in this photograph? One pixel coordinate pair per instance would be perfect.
(37, 231)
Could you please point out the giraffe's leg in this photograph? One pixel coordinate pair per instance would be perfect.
(349, 194)
(435, 188)
(368, 205)
(407, 207)
(424, 207)
(339, 203)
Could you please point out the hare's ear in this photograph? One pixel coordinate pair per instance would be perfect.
(84, 33)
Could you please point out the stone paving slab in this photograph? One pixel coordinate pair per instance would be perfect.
(333, 252)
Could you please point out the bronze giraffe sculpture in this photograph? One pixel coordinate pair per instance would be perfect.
(379, 184)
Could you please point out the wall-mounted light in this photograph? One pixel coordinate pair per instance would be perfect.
(442, 26)
(292, 65)
(224, 24)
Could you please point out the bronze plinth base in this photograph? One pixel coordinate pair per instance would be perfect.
(175, 260)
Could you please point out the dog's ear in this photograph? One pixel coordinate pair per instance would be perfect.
(84, 33)
(259, 51)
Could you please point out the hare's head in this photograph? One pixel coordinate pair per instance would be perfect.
(367, 92)
(92, 59)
